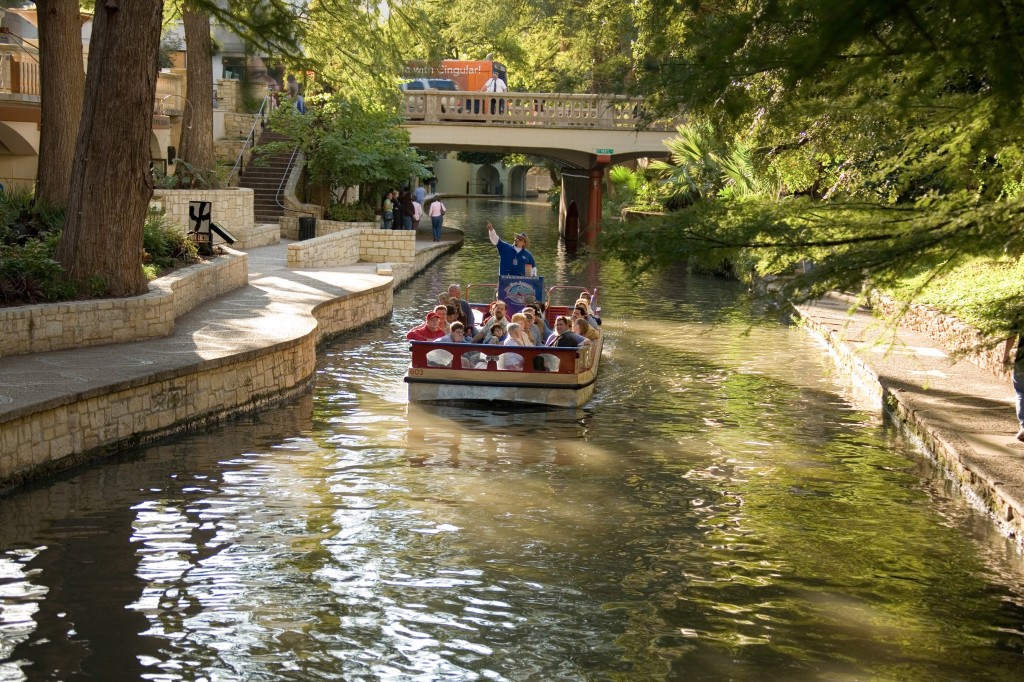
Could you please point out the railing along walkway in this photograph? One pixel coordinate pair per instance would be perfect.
(549, 110)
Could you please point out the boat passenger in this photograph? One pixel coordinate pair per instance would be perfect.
(579, 314)
(588, 311)
(496, 334)
(430, 330)
(497, 315)
(563, 336)
(582, 327)
(513, 259)
(517, 336)
(440, 357)
(456, 335)
(531, 327)
(442, 312)
(465, 310)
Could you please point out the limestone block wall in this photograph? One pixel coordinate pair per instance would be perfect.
(956, 336)
(342, 244)
(387, 246)
(93, 422)
(238, 126)
(229, 95)
(329, 251)
(232, 207)
(77, 324)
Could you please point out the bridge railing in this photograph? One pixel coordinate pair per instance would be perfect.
(550, 110)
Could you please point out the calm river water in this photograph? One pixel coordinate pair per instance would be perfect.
(721, 510)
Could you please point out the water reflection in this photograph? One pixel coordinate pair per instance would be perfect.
(720, 510)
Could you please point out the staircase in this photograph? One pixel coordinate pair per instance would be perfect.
(266, 177)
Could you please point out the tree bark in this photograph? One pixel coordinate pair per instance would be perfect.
(62, 76)
(101, 246)
(196, 146)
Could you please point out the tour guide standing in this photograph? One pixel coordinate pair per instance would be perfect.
(513, 259)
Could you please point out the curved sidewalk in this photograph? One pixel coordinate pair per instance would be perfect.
(250, 347)
(964, 415)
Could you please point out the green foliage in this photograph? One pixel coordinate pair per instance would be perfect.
(880, 138)
(169, 44)
(349, 143)
(29, 274)
(165, 244)
(187, 176)
(22, 218)
(632, 189)
(352, 213)
(555, 196)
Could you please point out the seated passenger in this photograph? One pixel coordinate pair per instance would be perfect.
(495, 334)
(456, 335)
(563, 336)
(531, 328)
(588, 311)
(582, 327)
(496, 315)
(442, 312)
(439, 357)
(465, 310)
(430, 330)
(517, 336)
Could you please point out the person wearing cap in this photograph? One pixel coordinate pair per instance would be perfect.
(430, 330)
(513, 259)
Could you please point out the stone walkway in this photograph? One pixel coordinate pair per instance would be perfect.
(963, 414)
(272, 311)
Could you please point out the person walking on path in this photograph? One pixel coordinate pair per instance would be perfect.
(1017, 377)
(513, 259)
(436, 213)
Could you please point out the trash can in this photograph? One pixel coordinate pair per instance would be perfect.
(307, 228)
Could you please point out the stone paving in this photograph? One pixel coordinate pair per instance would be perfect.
(963, 414)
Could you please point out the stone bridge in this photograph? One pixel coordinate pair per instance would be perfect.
(582, 133)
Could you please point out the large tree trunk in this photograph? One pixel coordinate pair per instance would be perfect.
(101, 248)
(63, 86)
(197, 123)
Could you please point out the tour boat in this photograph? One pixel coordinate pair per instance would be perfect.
(477, 373)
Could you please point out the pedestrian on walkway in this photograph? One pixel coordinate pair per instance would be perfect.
(1017, 377)
(436, 213)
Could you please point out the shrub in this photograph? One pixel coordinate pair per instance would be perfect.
(29, 274)
(352, 213)
(165, 243)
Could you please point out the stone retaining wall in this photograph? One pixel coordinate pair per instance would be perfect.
(77, 324)
(344, 245)
(82, 426)
(232, 207)
(956, 336)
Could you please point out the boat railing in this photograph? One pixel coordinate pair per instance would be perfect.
(485, 357)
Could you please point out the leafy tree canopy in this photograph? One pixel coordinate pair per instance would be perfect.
(888, 133)
(347, 142)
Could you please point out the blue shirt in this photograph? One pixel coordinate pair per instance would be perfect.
(512, 262)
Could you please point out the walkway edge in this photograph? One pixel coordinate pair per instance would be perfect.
(955, 457)
(47, 436)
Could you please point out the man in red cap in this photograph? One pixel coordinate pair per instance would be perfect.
(430, 330)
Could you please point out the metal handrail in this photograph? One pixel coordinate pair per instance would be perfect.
(250, 140)
(284, 178)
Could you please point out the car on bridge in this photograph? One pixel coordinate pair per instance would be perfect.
(431, 85)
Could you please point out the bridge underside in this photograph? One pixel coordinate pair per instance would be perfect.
(569, 147)
(582, 152)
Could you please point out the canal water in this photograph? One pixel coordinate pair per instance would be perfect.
(723, 509)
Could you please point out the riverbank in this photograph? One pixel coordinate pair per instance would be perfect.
(248, 348)
(962, 414)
